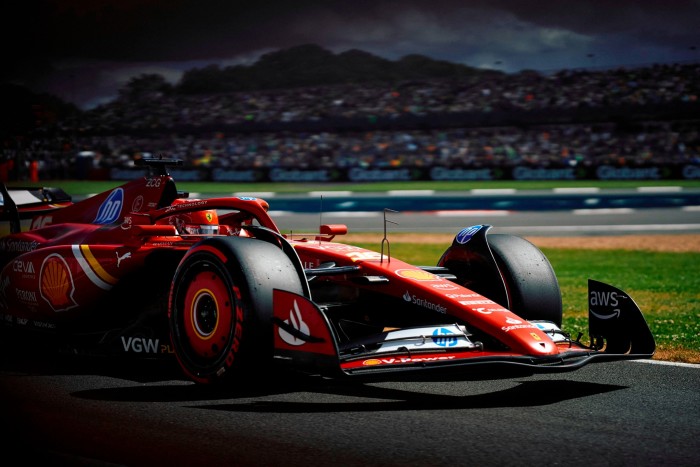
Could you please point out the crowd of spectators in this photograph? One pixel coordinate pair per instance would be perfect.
(528, 91)
(210, 130)
(540, 146)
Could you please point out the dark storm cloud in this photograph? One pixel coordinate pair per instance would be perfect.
(147, 30)
(102, 43)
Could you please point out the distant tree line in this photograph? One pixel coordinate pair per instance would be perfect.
(311, 65)
(302, 66)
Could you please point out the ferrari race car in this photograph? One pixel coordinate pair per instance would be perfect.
(143, 270)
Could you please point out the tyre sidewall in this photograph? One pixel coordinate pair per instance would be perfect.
(250, 269)
(532, 286)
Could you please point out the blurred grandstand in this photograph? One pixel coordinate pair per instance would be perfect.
(305, 114)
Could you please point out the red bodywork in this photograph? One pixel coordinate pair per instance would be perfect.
(69, 264)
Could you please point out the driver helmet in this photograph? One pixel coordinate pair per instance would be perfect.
(204, 222)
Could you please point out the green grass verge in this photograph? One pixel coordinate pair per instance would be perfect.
(85, 187)
(666, 286)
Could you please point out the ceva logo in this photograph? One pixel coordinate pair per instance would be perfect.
(111, 208)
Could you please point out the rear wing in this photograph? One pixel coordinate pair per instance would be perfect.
(26, 202)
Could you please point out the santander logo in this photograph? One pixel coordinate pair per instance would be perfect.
(295, 320)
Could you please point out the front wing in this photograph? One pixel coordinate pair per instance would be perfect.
(304, 337)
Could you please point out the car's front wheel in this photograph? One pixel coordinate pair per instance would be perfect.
(531, 284)
(220, 306)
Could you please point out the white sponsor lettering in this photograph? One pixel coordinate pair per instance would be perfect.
(518, 326)
(461, 295)
(606, 172)
(444, 173)
(26, 267)
(416, 359)
(527, 173)
(424, 303)
(26, 295)
(140, 344)
(691, 172)
(287, 175)
(603, 298)
(378, 175)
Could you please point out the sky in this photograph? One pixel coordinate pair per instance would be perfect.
(84, 51)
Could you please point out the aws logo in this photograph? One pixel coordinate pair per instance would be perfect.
(598, 298)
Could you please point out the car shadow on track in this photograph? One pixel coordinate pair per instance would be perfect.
(522, 394)
(163, 382)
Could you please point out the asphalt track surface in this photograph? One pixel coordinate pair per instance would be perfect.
(562, 212)
(63, 412)
(526, 223)
(69, 411)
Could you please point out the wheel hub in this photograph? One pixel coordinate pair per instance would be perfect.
(205, 315)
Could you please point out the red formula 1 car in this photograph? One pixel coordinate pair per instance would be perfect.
(142, 270)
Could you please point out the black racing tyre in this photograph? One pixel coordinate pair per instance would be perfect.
(532, 287)
(220, 306)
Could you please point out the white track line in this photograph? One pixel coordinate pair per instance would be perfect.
(493, 191)
(352, 214)
(659, 189)
(253, 194)
(411, 192)
(330, 194)
(585, 212)
(576, 190)
(608, 228)
(475, 212)
(663, 362)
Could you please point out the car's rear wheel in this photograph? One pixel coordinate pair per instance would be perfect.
(531, 284)
(220, 306)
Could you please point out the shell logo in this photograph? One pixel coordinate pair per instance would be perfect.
(372, 362)
(56, 283)
(417, 274)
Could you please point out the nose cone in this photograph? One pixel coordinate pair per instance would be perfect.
(529, 340)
